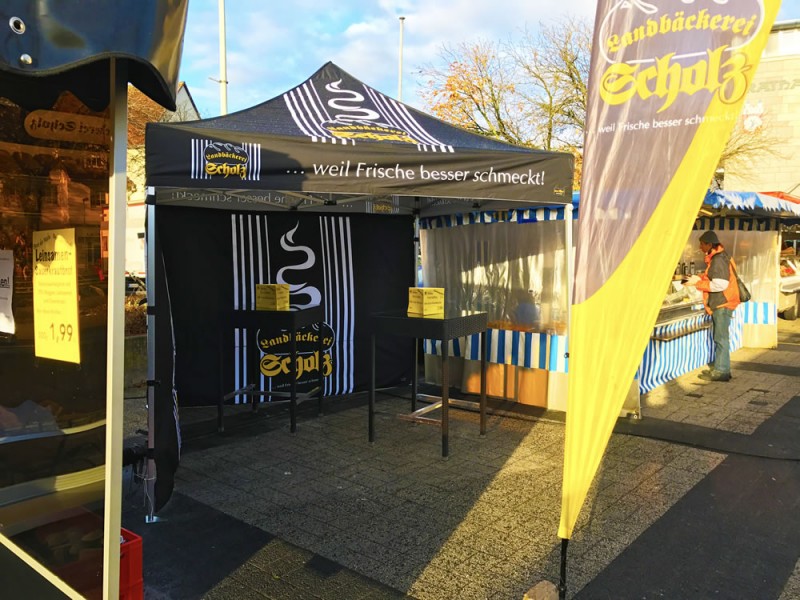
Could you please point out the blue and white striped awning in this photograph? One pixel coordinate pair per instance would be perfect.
(751, 201)
(770, 208)
(759, 313)
(533, 350)
(736, 224)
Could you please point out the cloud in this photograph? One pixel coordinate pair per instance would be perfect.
(272, 47)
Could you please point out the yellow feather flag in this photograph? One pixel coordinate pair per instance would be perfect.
(667, 82)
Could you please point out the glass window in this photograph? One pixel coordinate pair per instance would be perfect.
(53, 330)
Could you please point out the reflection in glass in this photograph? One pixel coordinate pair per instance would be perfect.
(53, 176)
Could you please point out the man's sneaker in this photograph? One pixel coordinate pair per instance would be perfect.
(715, 376)
(709, 371)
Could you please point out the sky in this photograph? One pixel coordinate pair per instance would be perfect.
(274, 46)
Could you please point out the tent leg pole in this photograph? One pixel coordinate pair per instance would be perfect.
(570, 264)
(415, 366)
(150, 465)
(115, 364)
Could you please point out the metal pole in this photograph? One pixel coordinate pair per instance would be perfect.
(223, 68)
(150, 465)
(400, 63)
(568, 220)
(562, 580)
(115, 353)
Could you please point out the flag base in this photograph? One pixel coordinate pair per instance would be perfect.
(544, 590)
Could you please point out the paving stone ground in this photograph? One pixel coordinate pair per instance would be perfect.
(262, 513)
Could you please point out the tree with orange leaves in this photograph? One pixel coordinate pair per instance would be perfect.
(529, 92)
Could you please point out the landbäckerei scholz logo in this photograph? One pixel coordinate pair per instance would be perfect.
(664, 51)
(211, 159)
(225, 159)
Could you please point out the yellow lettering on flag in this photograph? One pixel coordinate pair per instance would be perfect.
(55, 296)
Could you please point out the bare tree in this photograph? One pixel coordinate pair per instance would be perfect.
(529, 92)
(474, 91)
(553, 66)
(532, 91)
(141, 111)
(749, 143)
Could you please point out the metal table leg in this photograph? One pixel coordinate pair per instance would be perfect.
(293, 389)
(414, 376)
(320, 357)
(483, 383)
(372, 388)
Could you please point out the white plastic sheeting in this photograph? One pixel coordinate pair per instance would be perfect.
(516, 272)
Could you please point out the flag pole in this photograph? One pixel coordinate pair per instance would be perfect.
(400, 63)
(223, 66)
(562, 581)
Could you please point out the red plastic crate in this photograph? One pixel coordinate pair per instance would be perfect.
(131, 584)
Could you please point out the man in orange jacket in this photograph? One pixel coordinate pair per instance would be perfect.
(721, 297)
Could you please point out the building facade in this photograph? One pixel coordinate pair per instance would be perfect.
(773, 103)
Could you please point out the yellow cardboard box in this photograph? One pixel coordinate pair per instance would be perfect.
(272, 296)
(425, 302)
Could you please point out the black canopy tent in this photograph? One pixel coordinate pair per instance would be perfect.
(319, 188)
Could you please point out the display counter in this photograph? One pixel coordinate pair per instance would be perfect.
(681, 313)
(524, 365)
(681, 340)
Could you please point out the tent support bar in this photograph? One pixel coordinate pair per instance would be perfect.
(568, 223)
(115, 359)
(150, 469)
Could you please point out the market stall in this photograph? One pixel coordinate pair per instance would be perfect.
(319, 188)
(514, 265)
(748, 225)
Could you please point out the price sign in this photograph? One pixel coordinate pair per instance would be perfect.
(6, 291)
(55, 295)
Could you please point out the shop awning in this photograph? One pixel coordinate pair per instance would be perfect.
(752, 202)
(50, 47)
(783, 196)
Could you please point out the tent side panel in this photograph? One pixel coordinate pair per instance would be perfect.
(214, 260)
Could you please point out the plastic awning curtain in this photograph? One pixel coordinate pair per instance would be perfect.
(666, 85)
(331, 142)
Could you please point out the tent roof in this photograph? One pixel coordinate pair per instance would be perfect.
(334, 142)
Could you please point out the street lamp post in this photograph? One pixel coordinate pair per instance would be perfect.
(400, 63)
(223, 68)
